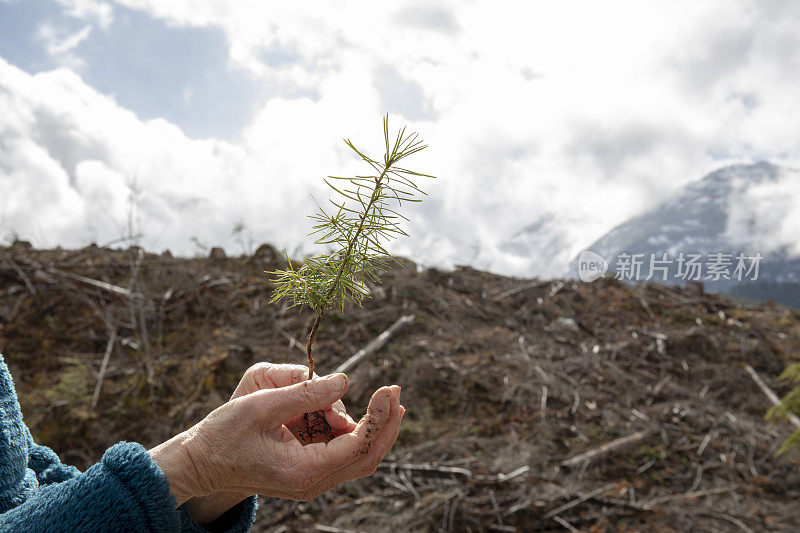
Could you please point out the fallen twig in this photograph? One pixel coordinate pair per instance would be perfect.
(646, 307)
(95, 283)
(543, 406)
(769, 394)
(501, 527)
(728, 518)
(515, 290)
(376, 344)
(695, 494)
(447, 471)
(293, 343)
(580, 500)
(206, 282)
(333, 529)
(609, 447)
(25, 279)
(103, 366)
(420, 517)
(566, 524)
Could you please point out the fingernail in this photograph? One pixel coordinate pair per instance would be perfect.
(335, 382)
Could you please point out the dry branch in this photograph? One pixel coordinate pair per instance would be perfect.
(95, 283)
(376, 344)
(450, 471)
(769, 394)
(25, 279)
(521, 288)
(293, 343)
(580, 500)
(566, 524)
(333, 529)
(728, 518)
(694, 494)
(609, 447)
(103, 367)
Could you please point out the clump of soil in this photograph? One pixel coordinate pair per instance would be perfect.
(510, 386)
(316, 429)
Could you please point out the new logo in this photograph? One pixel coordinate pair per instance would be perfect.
(591, 266)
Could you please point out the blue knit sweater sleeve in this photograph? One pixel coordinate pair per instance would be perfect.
(125, 491)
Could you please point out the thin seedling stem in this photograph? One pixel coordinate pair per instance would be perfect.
(332, 290)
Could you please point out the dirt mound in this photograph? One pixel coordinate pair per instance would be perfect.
(532, 405)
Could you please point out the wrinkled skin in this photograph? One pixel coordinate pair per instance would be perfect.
(248, 445)
(271, 376)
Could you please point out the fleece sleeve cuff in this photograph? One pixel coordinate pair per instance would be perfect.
(145, 485)
(134, 467)
(126, 491)
(237, 519)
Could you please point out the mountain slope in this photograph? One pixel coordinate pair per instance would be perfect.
(698, 219)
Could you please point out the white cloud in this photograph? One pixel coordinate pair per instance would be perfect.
(72, 156)
(57, 44)
(95, 11)
(582, 114)
(766, 217)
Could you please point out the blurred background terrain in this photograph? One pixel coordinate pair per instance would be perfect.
(532, 405)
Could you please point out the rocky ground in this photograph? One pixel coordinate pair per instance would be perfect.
(532, 405)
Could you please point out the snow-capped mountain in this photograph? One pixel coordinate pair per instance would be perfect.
(545, 237)
(738, 209)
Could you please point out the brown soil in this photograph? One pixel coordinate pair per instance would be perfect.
(503, 380)
(317, 428)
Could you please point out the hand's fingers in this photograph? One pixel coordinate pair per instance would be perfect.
(295, 420)
(340, 423)
(372, 423)
(296, 374)
(344, 430)
(269, 376)
(323, 459)
(388, 435)
(339, 407)
(306, 397)
(383, 444)
(337, 417)
(367, 464)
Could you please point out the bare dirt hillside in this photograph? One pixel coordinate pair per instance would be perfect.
(532, 405)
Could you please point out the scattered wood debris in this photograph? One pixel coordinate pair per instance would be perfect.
(532, 405)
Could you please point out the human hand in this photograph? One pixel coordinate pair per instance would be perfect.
(262, 376)
(245, 447)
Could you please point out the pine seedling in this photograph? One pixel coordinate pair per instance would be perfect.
(364, 216)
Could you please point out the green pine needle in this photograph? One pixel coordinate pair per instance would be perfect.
(363, 219)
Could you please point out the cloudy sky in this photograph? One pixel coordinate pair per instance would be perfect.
(189, 118)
